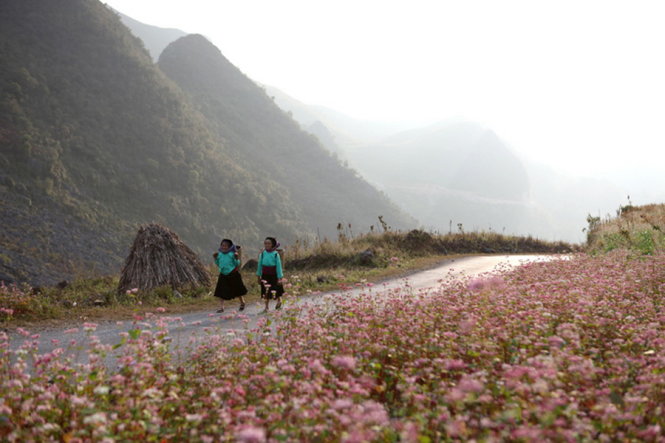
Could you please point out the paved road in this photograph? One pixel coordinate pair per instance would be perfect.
(194, 322)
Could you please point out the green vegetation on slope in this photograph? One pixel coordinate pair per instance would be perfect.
(637, 228)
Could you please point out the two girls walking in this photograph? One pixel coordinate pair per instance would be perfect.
(269, 272)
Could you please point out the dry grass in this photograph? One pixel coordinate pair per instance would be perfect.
(638, 228)
(380, 249)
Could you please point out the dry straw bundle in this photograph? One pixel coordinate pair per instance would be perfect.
(158, 258)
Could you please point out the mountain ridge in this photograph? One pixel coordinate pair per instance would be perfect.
(154, 38)
(292, 156)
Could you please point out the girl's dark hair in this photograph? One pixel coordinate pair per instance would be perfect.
(273, 240)
(229, 242)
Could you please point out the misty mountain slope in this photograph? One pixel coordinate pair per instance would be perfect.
(567, 200)
(95, 140)
(265, 138)
(154, 38)
(449, 173)
(461, 156)
(348, 132)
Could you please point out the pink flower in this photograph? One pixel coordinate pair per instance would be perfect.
(468, 384)
(344, 362)
(251, 435)
(342, 403)
(453, 365)
(556, 341)
(316, 366)
(456, 428)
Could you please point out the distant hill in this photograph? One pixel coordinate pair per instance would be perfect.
(95, 140)
(455, 171)
(154, 38)
(462, 156)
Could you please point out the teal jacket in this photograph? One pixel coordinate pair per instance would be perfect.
(270, 259)
(226, 262)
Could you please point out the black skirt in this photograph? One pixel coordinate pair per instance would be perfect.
(275, 290)
(230, 286)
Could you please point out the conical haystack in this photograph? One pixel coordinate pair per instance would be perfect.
(158, 258)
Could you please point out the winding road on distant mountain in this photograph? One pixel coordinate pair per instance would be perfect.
(230, 323)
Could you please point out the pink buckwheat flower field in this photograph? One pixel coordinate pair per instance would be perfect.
(567, 350)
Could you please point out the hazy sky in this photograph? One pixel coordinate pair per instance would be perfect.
(577, 84)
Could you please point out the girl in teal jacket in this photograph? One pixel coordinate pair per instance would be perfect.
(229, 282)
(270, 273)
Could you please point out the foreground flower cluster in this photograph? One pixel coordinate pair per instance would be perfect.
(567, 350)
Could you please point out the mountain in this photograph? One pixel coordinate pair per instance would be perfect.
(209, 77)
(454, 171)
(335, 130)
(154, 38)
(459, 155)
(460, 172)
(348, 132)
(265, 138)
(96, 140)
(563, 201)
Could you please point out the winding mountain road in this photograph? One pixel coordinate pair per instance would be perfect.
(193, 323)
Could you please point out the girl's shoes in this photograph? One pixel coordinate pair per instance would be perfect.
(220, 310)
(242, 307)
(279, 304)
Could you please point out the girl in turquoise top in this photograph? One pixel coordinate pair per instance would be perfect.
(270, 273)
(229, 282)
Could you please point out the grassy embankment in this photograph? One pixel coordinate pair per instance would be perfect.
(639, 229)
(328, 265)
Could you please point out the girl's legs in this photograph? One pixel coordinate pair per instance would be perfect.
(278, 293)
(266, 298)
(242, 303)
(264, 293)
(221, 307)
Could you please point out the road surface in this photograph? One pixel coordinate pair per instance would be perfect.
(193, 323)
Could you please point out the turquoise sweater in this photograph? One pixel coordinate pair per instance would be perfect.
(226, 262)
(270, 259)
